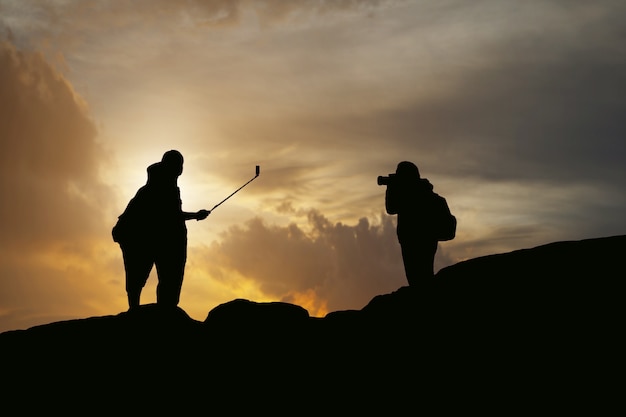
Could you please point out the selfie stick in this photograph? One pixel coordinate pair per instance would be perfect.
(258, 171)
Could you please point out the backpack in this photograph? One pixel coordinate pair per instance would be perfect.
(132, 223)
(122, 230)
(443, 222)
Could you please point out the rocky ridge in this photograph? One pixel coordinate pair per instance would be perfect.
(528, 327)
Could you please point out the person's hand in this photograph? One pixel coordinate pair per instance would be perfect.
(202, 214)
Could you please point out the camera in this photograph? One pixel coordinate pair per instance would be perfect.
(386, 180)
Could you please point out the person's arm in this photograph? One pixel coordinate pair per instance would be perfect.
(198, 215)
(391, 199)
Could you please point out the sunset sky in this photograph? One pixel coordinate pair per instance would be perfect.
(514, 110)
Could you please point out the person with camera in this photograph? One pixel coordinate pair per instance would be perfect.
(152, 232)
(408, 196)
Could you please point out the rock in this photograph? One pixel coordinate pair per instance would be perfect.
(497, 329)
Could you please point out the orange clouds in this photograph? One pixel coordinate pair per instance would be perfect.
(49, 160)
(330, 266)
(51, 198)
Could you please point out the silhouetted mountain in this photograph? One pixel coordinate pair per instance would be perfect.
(534, 329)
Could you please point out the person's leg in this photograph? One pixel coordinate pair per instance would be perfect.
(410, 265)
(137, 265)
(418, 258)
(427, 251)
(171, 270)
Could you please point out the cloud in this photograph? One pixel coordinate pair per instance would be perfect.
(503, 99)
(49, 157)
(82, 16)
(513, 110)
(537, 103)
(327, 266)
(533, 107)
(52, 200)
(60, 282)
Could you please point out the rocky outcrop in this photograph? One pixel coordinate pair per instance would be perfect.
(506, 328)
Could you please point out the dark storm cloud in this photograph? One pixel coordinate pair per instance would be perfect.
(534, 96)
(543, 106)
(556, 122)
(541, 103)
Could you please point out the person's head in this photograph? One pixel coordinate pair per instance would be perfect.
(407, 170)
(172, 161)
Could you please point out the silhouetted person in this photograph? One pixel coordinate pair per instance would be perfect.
(408, 196)
(152, 231)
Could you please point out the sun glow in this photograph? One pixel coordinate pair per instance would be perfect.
(310, 301)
